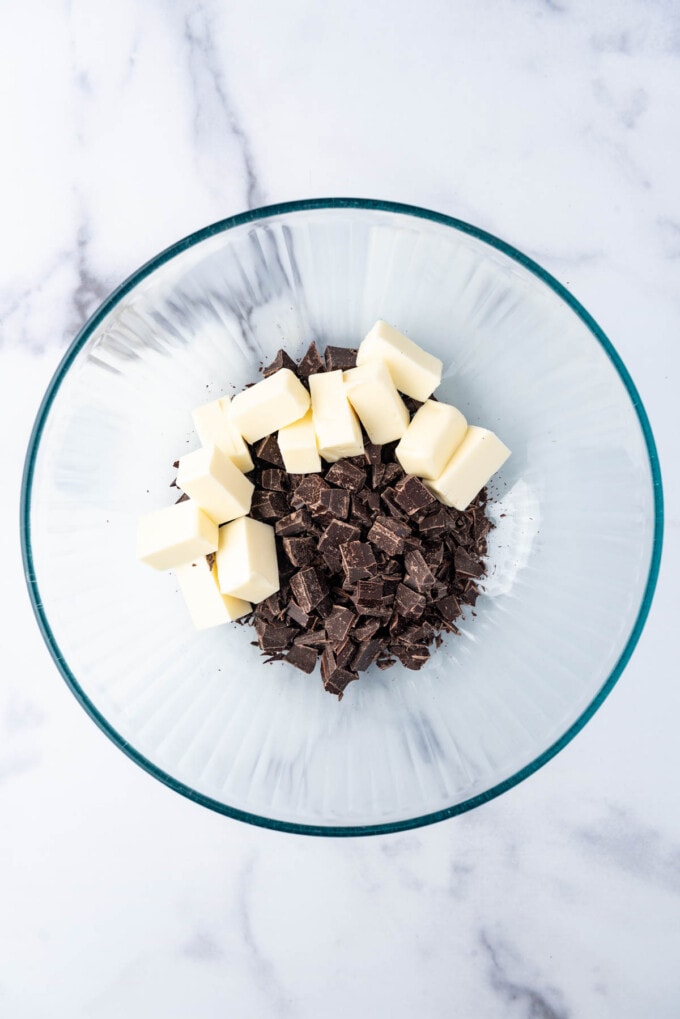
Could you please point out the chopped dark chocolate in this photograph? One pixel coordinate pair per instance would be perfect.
(311, 363)
(338, 533)
(412, 495)
(369, 593)
(268, 449)
(366, 654)
(300, 551)
(297, 614)
(276, 637)
(467, 565)
(282, 360)
(342, 358)
(388, 535)
(339, 623)
(309, 587)
(303, 657)
(419, 576)
(358, 560)
(308, 491)
(336, 501)
(298, 522)
(346, 475)
(373, 453)
(266, 505)
(409, 603)
(275, 479)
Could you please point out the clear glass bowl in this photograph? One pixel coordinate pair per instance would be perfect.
(573, 558)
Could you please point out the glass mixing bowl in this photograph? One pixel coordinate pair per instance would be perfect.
(572, 562)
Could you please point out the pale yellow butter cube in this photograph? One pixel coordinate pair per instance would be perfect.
(479, 456)
(175, 535)
(246, 560)
(215, 428)
(269, 405)
(429, 442)
(374, 396)
(297, 444)
(338, 432)
(206, 604)
(413, 370)
(215, 484)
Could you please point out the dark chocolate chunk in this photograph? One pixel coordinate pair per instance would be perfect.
(298, 522)
(366, 630)
(366, 654)
(467, 565)
(274, 479)
(268, 449)
(448, 607)
(346, 475)
(276, 637)
(338, 533)
(419, 576)
(358, 560)
(411, 495)
(303, 657)
(388, 534)
(373, 453)
(300, 551)
(413, 657)
(393, 472)
(339, 623)
(342, 358)
(309, 587)
(434, 524)
(183, 498)
(409, 603)
(388, 497)
(311, 363)
(312, 638)
(297, 614)
(377, 475)
(344, 653)
(369, 593)
(308, 491)
(282, 360)
(266, 505)
(336, 502)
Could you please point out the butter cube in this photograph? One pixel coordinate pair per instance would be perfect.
(269, 405)
(413, 370)
(338, 432)
(175, 535)
(246, 560)
(429, 442)
(215, 484)
(206, 604)
(479, 456)
(297, 444)
(373, 395)
(215, 428)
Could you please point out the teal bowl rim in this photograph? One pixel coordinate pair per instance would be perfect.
(250, 217)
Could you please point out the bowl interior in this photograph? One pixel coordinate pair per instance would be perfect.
(570, 557)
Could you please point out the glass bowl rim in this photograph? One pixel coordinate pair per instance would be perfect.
(253, 216)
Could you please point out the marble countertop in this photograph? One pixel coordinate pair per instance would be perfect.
(551, 123)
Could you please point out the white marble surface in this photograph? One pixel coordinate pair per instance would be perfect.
(553, 124)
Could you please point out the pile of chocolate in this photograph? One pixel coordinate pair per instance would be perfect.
(372, 567)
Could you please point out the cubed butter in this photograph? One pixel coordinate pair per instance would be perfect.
(479, 456)
(269, 405)
(215, 428)
(215, 484)
(413, 370)
(435, 432)
(297, 444)
(338, 432)
(206, 604)
(175, 535)
(246, 560)
(374, 396)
